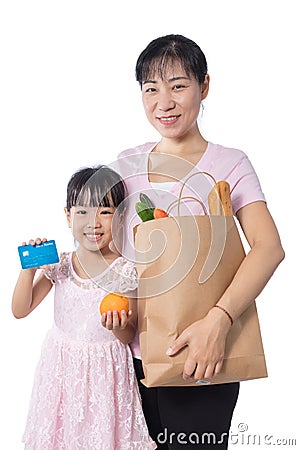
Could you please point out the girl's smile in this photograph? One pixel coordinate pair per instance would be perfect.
(92, 226)
(95, 237)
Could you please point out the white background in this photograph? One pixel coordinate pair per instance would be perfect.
(69, 99)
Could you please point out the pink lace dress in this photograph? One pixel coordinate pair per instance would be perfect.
(85, 395)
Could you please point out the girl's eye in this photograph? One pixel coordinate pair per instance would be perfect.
(105, 212)
(81, 212)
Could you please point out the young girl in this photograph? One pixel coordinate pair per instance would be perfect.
(85, 394)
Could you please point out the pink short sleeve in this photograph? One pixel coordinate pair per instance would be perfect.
(233, 166)
(245, 185)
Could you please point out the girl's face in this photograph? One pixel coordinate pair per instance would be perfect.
(172, 104)
(92, 226)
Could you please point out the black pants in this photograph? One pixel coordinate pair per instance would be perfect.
(188, 417)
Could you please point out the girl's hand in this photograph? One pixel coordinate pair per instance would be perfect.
(37, 241)
(206, 340)
(111, 320)
(34, 242)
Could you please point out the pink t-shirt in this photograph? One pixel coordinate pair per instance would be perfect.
(222, 163)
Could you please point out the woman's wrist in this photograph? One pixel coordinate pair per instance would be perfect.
(225, 311)
(218, 315)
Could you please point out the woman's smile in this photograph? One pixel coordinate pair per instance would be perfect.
(168, 120)
(172, 103)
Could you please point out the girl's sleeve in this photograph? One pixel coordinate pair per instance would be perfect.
(50, 272)
(129, 279)
(57, 272)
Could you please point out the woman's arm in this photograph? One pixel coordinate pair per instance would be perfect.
(206, 338)
(260, 263)
(29, 293)
(125, 328)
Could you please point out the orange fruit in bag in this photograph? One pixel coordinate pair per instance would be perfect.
(114, 301)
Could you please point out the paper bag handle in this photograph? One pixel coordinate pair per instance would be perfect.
(178, 201)
(219, 201)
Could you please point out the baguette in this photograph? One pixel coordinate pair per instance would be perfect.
(219, 201)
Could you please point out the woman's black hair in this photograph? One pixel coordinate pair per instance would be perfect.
(166, 50)
(96, 186)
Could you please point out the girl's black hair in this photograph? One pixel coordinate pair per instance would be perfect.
(96, 186)
(166, 50)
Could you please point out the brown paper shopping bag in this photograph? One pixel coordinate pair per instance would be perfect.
(184, 266)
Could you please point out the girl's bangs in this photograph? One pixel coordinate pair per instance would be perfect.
(92, 195)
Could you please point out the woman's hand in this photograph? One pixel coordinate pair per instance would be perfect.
(112, 321)
(206, 340)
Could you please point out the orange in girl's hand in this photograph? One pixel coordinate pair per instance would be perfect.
(159, 213)
(114, 302)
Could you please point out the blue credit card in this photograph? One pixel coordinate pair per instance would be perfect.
(38, 254)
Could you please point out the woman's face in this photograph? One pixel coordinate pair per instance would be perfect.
(172, 104)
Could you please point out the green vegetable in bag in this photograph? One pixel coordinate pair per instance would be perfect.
(144, 211)
(146, 200)
(145, 208)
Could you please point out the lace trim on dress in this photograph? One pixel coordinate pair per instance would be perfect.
(120, 273)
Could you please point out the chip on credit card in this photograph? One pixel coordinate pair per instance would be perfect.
(38, 254)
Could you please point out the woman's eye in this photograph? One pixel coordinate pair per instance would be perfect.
(81, 212)
(178, 86)
(150, 89)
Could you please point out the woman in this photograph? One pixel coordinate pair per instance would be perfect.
(172, 73)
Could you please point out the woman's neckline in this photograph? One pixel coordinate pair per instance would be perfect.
(200, 161)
